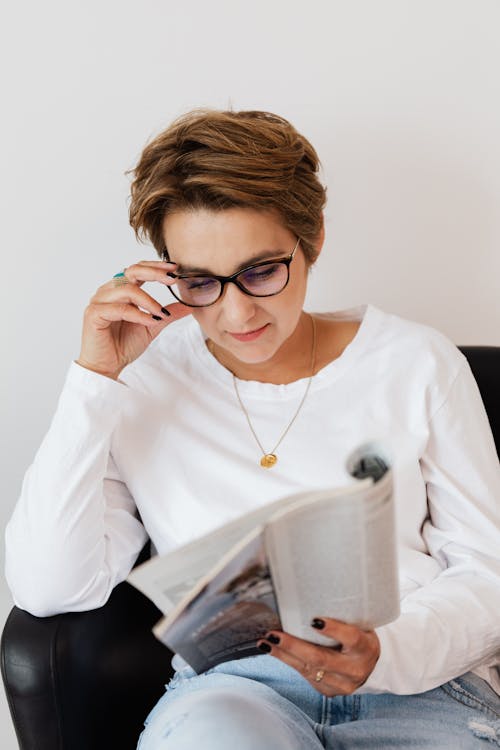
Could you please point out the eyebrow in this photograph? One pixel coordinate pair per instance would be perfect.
(264, 255)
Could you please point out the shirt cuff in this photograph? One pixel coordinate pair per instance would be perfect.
(379, 679)
(81, 378)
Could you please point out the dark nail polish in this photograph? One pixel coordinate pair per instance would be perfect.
(272, 638)
(156, 317)
(265, 647)
(165, 312)
(318, 624)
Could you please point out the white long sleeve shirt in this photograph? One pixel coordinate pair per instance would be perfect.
(170, 440)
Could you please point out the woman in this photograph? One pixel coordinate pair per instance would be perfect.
(232, 396)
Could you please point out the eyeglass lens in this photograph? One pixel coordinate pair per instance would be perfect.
(262, 281)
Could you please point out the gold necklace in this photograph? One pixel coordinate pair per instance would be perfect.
(268, 460)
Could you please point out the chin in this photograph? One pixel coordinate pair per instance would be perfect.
(251, 356)
(255, 360)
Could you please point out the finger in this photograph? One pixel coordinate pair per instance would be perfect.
(330, 683)
(295, 650)
(350, 666)
(132, 294)
(305, 651)
(350, 636)
(177, 311)
(144, 271)
(101, 314)
(360, 649)
(289, 657)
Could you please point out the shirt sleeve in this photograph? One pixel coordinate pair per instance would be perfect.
(74, 533)
(451, 625)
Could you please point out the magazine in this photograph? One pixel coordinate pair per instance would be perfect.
(328, 552)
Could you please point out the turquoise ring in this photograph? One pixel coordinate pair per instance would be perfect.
(120, 278)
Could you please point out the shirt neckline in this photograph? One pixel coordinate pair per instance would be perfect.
(367, 314)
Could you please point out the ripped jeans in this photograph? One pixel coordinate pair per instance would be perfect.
(260, 703)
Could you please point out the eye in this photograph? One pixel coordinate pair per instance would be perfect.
(261, 273)
(201, 283)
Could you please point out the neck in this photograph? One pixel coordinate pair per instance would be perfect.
(291, 362)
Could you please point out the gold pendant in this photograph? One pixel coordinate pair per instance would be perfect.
(268, 460)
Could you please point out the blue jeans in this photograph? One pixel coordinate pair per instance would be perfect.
(260, 703)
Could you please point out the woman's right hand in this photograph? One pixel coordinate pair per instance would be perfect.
(115, 331)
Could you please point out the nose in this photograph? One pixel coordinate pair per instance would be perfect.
(238, 307)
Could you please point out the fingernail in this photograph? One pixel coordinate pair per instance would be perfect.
(165, 312)
(156, 317)
(172, 275)
(265, 647)
(318, 624)
(272, 638)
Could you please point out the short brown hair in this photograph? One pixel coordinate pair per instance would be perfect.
(222, 159)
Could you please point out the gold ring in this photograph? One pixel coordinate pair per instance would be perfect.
(319, 675)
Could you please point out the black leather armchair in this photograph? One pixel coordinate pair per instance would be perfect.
(86, 681)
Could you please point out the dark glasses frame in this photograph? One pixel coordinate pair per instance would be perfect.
(233, 279)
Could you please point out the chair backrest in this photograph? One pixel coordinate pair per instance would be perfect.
(485, 365)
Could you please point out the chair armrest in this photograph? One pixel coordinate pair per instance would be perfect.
(84, 680)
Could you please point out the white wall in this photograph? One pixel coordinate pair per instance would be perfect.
(400, 98)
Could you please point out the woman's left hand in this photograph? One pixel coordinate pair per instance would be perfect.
(333, 670)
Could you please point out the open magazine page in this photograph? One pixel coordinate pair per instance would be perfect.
(167, 579)
(342, 554)
(330, 552)
(380, 564)
(231, 611)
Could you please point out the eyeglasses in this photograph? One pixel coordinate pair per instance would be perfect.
(258, 280)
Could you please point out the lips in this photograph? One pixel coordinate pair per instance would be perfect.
(249, 335)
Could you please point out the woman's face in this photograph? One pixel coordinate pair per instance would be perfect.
(222, 243)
